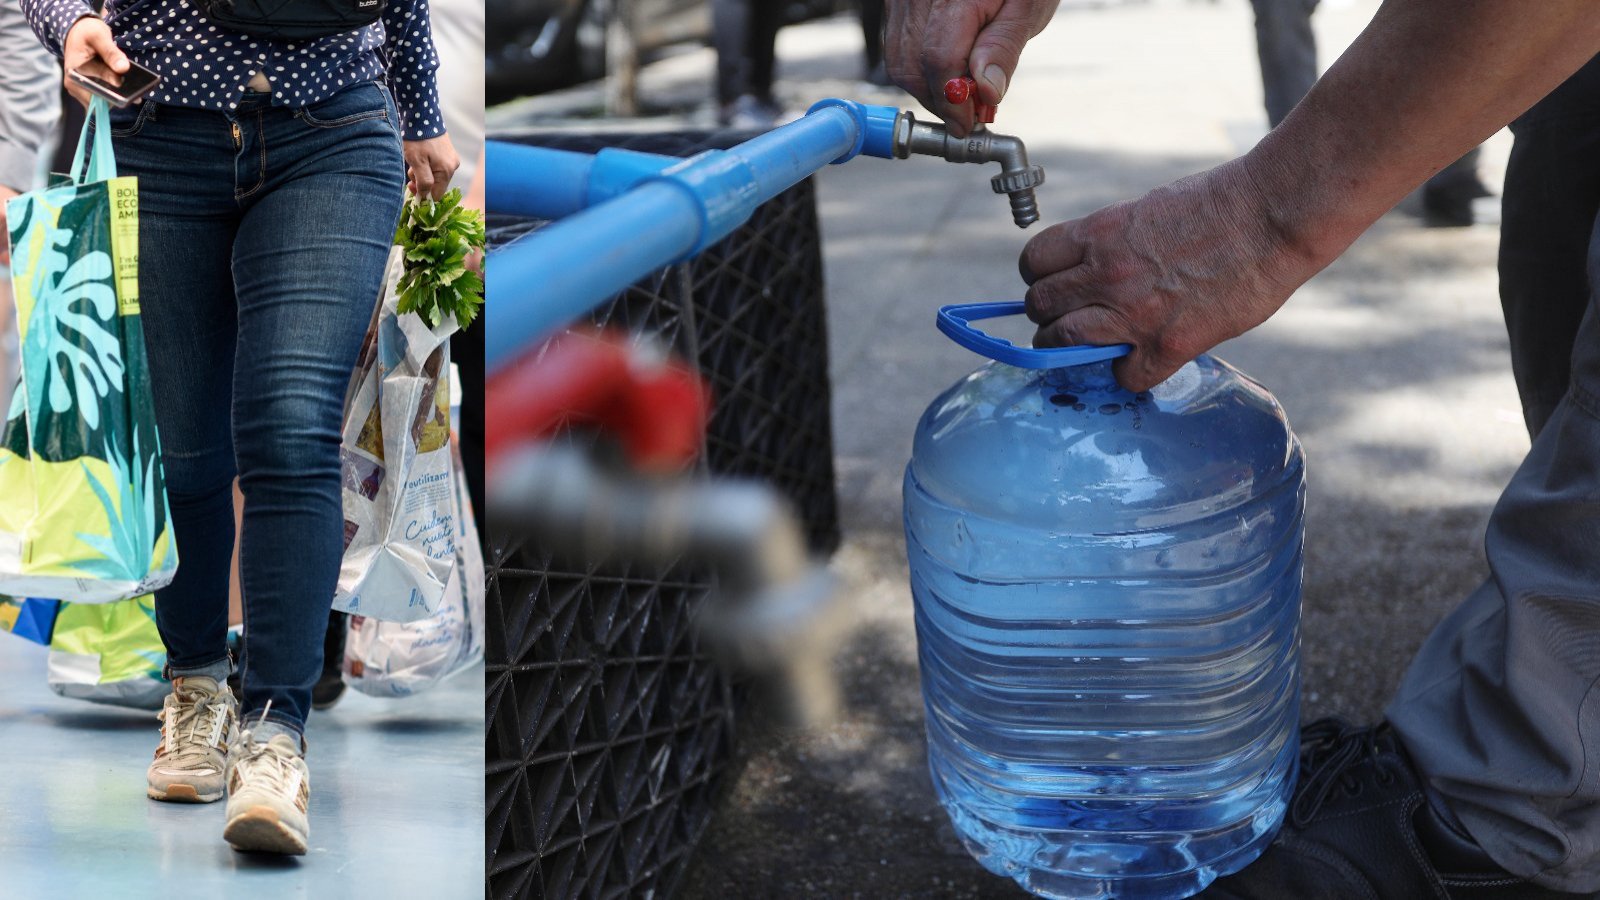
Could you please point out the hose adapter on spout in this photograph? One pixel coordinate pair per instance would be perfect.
(1016, 179)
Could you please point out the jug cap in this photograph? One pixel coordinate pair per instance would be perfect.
(956, 322)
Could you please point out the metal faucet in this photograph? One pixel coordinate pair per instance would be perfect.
(1016, 179)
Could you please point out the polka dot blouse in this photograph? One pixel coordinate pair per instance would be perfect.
(207, 66)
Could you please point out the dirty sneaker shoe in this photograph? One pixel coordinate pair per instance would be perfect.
(269, 788)
(198, 722)
(1361, 828)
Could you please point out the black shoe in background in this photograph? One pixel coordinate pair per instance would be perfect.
(330, 687)
(1447, 202)
(750, 113)
(1360, 828)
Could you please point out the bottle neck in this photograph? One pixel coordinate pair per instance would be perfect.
(1095, 378)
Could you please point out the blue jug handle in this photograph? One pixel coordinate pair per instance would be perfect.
(956, 322)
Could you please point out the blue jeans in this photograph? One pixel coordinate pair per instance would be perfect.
(262, 240)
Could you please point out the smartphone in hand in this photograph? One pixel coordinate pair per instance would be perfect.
(136, 82)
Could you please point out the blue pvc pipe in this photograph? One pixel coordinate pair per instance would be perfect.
(558, 274)
(550, 278)
(541, 183)
(534, 182)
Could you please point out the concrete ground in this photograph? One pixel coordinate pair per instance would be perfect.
(1391, 364)
(396, 802)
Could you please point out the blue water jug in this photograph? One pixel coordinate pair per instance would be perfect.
(1107, 592)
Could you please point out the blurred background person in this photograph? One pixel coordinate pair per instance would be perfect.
(872, 32)
(745, 33)
(30, 107)
(1288, 50)
(458, 37)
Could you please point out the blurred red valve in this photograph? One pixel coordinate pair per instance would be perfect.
(960, 90)
(656, 409)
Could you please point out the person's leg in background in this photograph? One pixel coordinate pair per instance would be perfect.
(308, 264)
(1501, 706)
(1447, 197)
(72, 118)
(1287, 48)
(458, 36)
(730, 23)
(187, 217)
(30, 106)
(762, 48)
(872, 33)
(466, 349)
(745, 34)
(8, 336)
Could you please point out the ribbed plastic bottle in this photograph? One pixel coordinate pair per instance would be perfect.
(1107, 592)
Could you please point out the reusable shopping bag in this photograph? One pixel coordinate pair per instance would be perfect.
(396, 659)
(400, 520)
(83, 506)
(109, 653)
(32, 619)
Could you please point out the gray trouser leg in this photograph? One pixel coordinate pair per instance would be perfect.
(8, 340)
(1501, 707)
(1288, 51)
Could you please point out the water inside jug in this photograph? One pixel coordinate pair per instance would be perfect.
(1107, 598)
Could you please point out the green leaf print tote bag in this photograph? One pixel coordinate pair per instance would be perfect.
(109, 653)
(83, 507)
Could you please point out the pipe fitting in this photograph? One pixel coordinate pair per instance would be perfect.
(1017, 178)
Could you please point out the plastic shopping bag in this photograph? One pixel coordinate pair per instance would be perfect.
(83, 506)
(400, 519)
(109, 653)
(396, 659)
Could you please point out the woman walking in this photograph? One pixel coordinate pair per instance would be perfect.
(271, 174)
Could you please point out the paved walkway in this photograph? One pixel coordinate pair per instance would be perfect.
(396, 806)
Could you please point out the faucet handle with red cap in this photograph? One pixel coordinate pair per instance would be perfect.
(960, 90)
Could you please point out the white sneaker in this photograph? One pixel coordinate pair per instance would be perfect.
(198, 722)
(269, 788)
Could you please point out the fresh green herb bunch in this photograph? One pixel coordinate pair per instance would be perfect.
(438, 236)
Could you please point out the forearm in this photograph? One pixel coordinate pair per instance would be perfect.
(1425, 82)
(413, 63)
(52, 19)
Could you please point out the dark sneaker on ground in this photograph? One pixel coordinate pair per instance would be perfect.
(1451, 203)
(750, 113)
(1360, 828)
(330, 686)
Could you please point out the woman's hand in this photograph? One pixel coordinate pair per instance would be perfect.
(90, 49)
(429, 165)
(1174, 273)
(930, 42)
